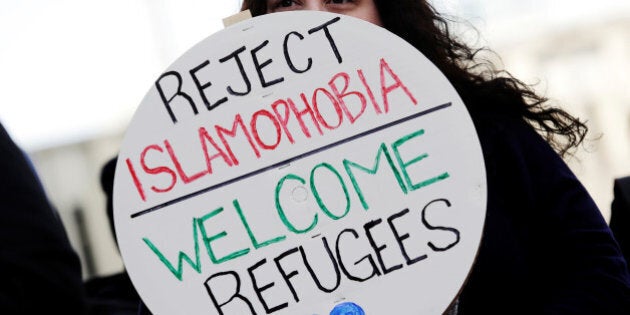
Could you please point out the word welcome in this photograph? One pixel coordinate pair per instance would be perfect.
(390, 154)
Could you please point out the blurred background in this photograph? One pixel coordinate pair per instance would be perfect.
(72, 73)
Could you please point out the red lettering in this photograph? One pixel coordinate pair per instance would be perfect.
(335, 104)
(388, 89)
(324, 106)
(238, 122)
(284, 121)
(341, 95)
(369, 91)
(254, 125)
(308, 110)
(136, 180)
(157, 170)
(205, 137)
(178, 166)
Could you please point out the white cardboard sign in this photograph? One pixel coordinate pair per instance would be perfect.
(300, 163)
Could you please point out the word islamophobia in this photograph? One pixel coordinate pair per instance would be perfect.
(288, 116)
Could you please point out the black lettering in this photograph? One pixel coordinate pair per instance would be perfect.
(333, 45)
(314, 276)
(286, 276)
(167, 102)
(259, 290)
(378, 249)
(259, 66)
(288, 57)
(202, 87)
(375, 271)
(239, 63)
(235, 295)
(401, 238)
(441, 228)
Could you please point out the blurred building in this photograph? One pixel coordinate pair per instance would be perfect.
(586, 70)
(575, 53)
(71, 177)
(584, 67)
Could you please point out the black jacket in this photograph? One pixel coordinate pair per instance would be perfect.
(39, 271)
(546, 248)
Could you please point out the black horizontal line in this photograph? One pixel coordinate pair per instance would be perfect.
(288, 161)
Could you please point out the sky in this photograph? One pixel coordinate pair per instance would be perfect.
(76, 69)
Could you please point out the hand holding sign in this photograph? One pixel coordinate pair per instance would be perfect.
(330, 160)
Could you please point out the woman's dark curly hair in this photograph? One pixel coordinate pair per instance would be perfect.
(483, 88)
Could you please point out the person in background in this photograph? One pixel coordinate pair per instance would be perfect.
(113, 294)
(546, 248)
(40, 273)
(620, 214)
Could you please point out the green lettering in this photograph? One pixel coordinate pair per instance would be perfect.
(318, 197)
(404, 165)
(381, 151)
(207, 240)
(255, 242)
(178, 273)
(281, 213)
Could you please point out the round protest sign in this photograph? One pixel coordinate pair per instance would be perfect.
(300, 163)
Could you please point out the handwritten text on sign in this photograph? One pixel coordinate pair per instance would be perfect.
(282, 167)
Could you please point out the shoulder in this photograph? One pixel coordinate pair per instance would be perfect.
(541, 227)
(510, 143)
